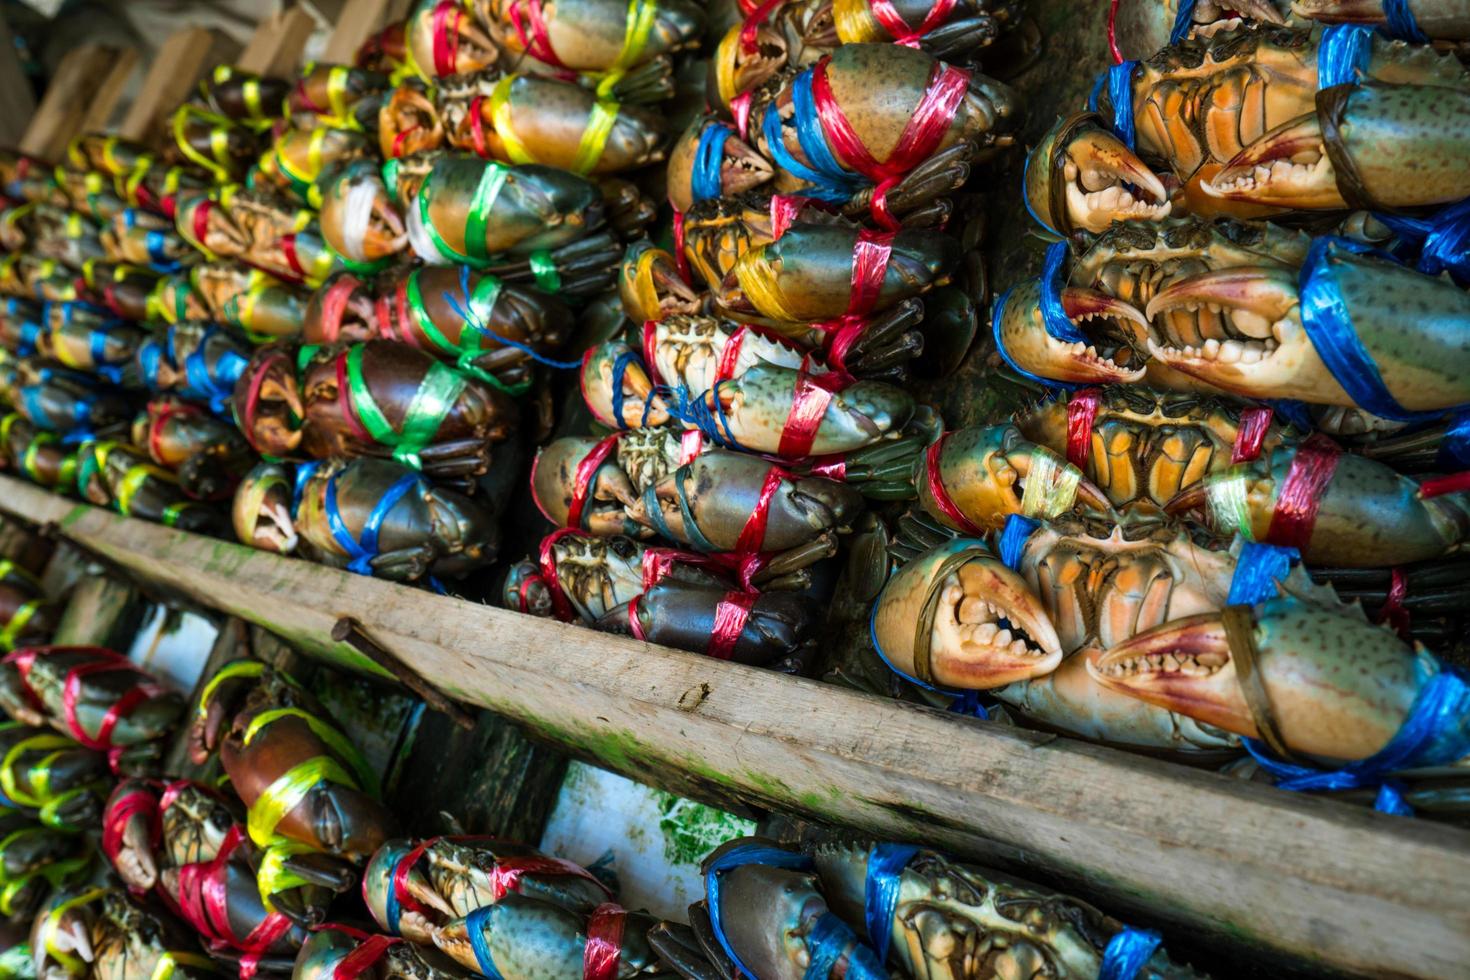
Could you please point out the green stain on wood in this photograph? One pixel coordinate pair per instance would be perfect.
(75, 514)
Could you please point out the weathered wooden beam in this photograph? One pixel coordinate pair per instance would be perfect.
(1291, 876)
(181, 61)
(101, 611)
(110, 93)
(358, 21)
(275, 47)
(17, 101)
(64, 106)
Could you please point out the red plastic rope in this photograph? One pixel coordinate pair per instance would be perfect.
(808, 406)
(753, 21)
(1441, 485)
(334, 305)
(1395, 614)
(1081, 414)
(1250, 434)
(753, 534)
(920, 137)
(784, 211)
(560, 604)
(123, 808)
(586, 471)
(650, 348)
(870, 258)
(536, 42)
(681, 261)
(446, 36)
(937, 490)
(730, 618)
(362, 959)
(604, 942)
(691, 444)
(1113, 33)
(1301, 492)
(160, 414)
(72, 687)
(477, 128)
(201, 221)
(887, 15)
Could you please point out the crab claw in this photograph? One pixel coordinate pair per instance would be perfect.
(740, 167)
(1076, 179)
(1114, 330)
(983, 471)
(1354, 151)
(1338, 686)
(737, 68)
(650, 286)
(989, 628)
(134, 862)
(618, 390)
(1441, 22)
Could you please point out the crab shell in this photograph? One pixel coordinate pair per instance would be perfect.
(392, 375)
(122, 289)
(67, 781)
(342, 94)
(244, 96)
(537, 208)
(454, 532)
(591, 36)
(806, 275)
(960, 580)
(1339, 687)
(331, 817)
(527, 937)
(986, 115)
(243, 909)
(545, 120)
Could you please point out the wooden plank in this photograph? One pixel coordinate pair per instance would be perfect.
(1313, 881)
(358, 21)
(17, 101)
(182, 60)
(64, 106)
(275, 47)
(110, 94)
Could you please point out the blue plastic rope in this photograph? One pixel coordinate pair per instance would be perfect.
(996, 313)
(695, 410)
(821, 188)
(1119, 82)
(215, 387)
(1436, 733)
(1439, 243)
(474, 923)
(1183, 21)
(1402, 23)
(880, 892)
(620, 368)
(827, 941)
(363, 552)
(304, 473)
(1257, 570)
(150, 359)
(1454, 448)
(1053, 314)
(708, 156)
(810, 135)
(1127, 952)
(1013, 537)
(1343, 54)
(1330, 327)
(466, 312)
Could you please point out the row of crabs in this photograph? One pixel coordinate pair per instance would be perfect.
(243, 879)
(1167, 285)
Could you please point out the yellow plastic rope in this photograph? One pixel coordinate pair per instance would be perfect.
(240, 668)
(1051, 486)
(288, 790)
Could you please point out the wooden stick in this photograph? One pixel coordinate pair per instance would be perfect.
(182, 60)
(348, 630)
(359, 20)
(62, 110)
(275, 47)
(17, 103)
(1284, 876)
(114, 87)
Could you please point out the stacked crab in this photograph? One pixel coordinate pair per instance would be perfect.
(117, 379)
(1237, 401)
(755, 394)
(79, 716)
(464, 173)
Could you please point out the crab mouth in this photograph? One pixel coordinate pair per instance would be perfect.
(1106, 182)
(993, 629)
(1286, 167)
(1241, 316)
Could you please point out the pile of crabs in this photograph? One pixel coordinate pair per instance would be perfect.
(241, 832)
(1249, 336)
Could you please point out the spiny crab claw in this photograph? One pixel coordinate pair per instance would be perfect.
(1354, 151)
(650, 286)
(988, 627)
(741, 168)
(1338, 686)
(1234, 328)
(1114, 330)
(1078, 179)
